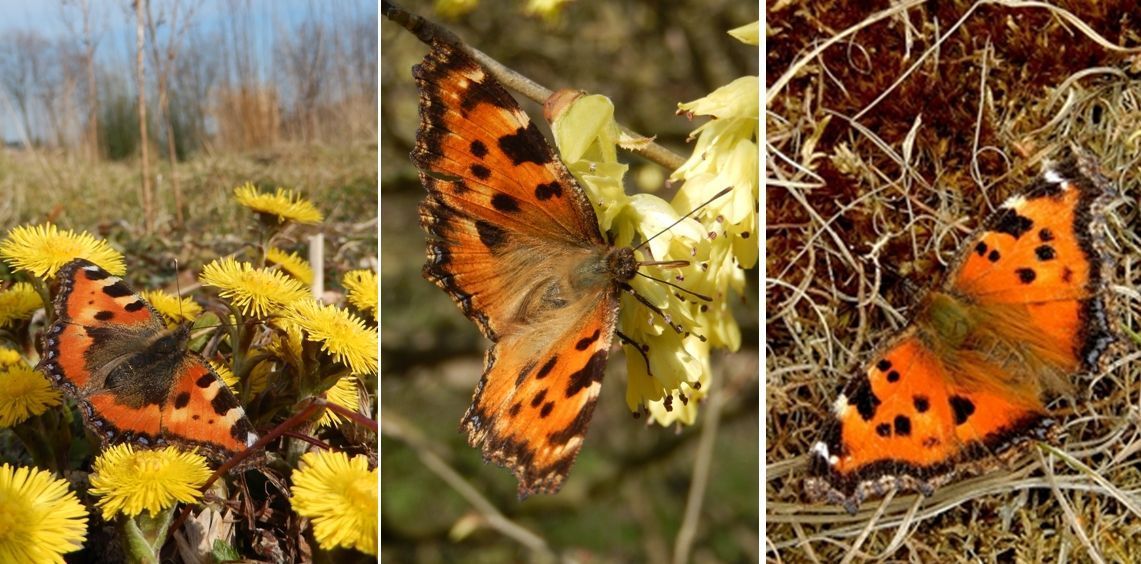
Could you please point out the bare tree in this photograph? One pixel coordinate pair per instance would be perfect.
(89, 41)
(164, 65)
(140, 80)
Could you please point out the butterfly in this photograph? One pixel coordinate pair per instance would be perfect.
(133, 378)
(515, 242)
(961, 388)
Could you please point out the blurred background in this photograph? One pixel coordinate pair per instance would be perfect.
(626, 497)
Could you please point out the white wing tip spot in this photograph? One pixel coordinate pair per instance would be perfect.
(1014, 202)
(839, 405)
(1052, 176)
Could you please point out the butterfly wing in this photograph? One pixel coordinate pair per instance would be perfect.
(904, 424)
(516, 243)
(133, 379)
(1037, 258)
(1027, 291)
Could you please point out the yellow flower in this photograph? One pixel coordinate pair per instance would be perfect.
(176, 310)
(363, 291)
(255, 291)
(40, 520)
(24, 392)
(549, 10)
(344, 394)
(749, 34)
(341, 334)
(339, 496)
(18, 303)
(224, 373)
(291, 263)
(129, 481)
(283, 205)
(43, 249)
(8, 357)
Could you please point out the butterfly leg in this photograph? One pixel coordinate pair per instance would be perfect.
(642, 299)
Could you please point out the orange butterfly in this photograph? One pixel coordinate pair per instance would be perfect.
(515, 242)
(134, 379)
(962, 387)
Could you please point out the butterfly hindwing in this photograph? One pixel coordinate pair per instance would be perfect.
(134, 379)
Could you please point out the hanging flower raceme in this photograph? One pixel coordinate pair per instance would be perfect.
(280, 207)
(42, 249)
(40, 520)
(342, 335)
(129, 481)
(338, 495)
(254, 291)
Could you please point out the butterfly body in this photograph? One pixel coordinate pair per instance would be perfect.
(963, 388)
(516, 243)
(133, 378)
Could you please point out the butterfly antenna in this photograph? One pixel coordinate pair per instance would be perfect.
(682, 218)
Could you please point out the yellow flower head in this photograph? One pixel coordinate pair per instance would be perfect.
(256, 291)
(341, 334)
(24, 392)
(453, 9)
(18, 303)
(8, 357)
(128, 481)
(43, 249)
(282, 206)
(291, 263)
(176, 310)
(364, 291)
(225, 374)
(344, 394)
(339, 496)
(40, 520)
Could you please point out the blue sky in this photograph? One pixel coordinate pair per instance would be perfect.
(115, 21)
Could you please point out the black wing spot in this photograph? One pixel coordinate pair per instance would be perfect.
(491, 236)
(505, 203)
(222, 404)
(1045, 252)
(97, 274)
(546, 368)
(549, 190)
(1067, 274)
(117, 290)
(481, 172)
(104, 315)
(182, 400)
(525, 145)
(1026, 275)
(590, 373)
(539, 397)
(893, 376)
(1046, 235)
(1008, 221)
(135, 306)
(931, 442)
(478, 149)
(963, 408)
(883, 365)
(902, 425)
(515, 409)
(865, 400)
(883, 430)
(547, 407)
(922, 404)
(585, 342)
(205, 381)
(981, 248)
(993, 256)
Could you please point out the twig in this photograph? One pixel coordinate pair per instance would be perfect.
(688, 531)
(401, 429)
(430, 32)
